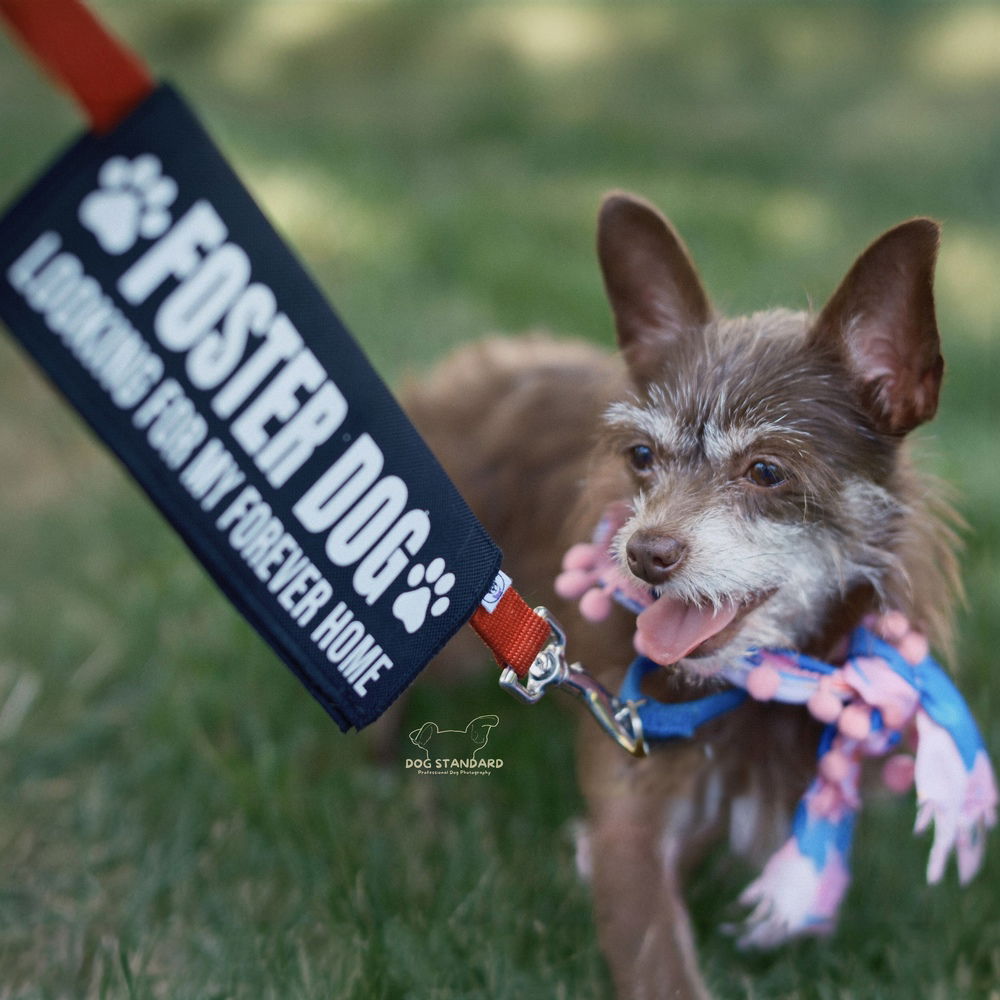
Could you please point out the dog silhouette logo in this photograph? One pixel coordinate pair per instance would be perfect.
(477, 733)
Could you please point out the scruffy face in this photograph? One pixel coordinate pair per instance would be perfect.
(761, 450)
(761, 492)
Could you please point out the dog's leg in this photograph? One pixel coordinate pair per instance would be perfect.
(643, 837)
(642, 921)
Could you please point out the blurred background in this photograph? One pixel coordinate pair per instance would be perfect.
(180, 819)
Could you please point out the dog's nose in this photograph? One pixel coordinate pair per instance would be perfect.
(653, 557)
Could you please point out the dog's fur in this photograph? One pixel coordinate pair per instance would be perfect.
(542, 435)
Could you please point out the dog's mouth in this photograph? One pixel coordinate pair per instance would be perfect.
(671, 629)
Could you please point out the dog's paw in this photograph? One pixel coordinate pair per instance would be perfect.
(131, 202)
(413, 605)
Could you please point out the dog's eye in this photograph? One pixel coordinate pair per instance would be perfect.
(765, 474)
(640, 457)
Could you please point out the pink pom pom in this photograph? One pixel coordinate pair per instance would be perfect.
(595, 605)
(897, 773)
(581, 556)
(573, 583)
(825, 706)
(827, 800)
(855, 722)
(763, 683)
(893, 715)
(914, 647)
(835, 765)
(893, 625)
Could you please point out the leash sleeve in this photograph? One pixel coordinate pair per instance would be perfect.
(136, 126)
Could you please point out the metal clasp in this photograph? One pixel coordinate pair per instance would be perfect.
(620, 720)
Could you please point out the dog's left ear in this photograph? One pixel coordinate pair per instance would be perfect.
(882, 319)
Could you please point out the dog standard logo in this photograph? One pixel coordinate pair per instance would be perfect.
(456, 751)
(144, 280)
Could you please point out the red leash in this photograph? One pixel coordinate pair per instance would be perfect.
(108, 81)
(100, 73)
(514, 633)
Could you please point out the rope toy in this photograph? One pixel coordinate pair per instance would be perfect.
(887, 695)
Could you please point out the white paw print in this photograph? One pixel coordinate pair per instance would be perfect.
(132, 201)
(412, 606)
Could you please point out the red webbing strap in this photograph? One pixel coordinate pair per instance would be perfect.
(74, 47)
(514, 633)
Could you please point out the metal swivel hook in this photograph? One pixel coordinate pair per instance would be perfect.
(620, 720)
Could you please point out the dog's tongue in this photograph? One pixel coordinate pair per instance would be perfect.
(669, 629)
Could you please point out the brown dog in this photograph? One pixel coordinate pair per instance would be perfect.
(763, 465)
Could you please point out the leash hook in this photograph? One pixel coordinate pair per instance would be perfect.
(620, 720)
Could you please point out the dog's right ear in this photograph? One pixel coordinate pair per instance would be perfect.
(655, 292)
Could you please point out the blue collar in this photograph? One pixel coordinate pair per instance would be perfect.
(663, 721)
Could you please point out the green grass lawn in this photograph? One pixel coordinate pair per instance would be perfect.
(178, 818)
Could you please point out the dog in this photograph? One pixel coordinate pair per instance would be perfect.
(771, 501)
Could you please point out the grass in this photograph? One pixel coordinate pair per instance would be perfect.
(180, 820)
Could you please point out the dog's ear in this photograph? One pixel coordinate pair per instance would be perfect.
(882, 319)
(654, 289)
(422, 736)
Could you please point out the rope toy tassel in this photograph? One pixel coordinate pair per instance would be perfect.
(886, 691)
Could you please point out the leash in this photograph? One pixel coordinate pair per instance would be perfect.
(529, 646)
(618, 718)
(319, 606)
(104, 77)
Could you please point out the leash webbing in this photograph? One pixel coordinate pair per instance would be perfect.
(514, 633)
(105, 77)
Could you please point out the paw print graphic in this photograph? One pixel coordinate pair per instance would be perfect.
(412, 606)
(132, 201)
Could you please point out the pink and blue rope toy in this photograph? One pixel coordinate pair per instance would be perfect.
(888, 694)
